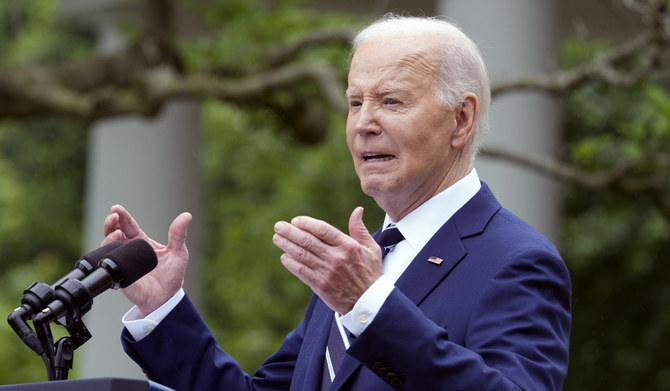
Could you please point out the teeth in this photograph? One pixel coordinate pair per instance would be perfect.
(377, 157)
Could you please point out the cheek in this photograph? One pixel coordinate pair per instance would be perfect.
(423, 155)
(349, 132)
(350, 145)
(435, 142)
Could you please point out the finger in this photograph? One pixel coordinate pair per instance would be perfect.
(321, 230)
(178, 231)
(111, 224)
(300, 244)
(295, 251)
(127, 223)
(298, 269)
(114, 236)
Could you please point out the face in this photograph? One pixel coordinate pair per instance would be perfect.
(404, 141)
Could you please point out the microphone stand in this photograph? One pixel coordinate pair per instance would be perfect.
(63, 358)
(65, 347)
(61, 354)
(46, 339)
(58, 358)
(70, 298)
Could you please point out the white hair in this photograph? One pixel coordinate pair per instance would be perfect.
(462, 70)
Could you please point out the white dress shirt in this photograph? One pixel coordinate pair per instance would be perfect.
(417, 227)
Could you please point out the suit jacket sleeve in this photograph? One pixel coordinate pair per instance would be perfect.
(182, 354)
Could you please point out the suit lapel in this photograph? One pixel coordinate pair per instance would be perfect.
(446, 246)
(422, 275)
(313, 349)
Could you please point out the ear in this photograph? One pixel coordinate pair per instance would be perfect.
(465, 114)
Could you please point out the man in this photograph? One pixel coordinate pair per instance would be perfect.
(470, 298)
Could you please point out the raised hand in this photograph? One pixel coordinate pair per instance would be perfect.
(338, 267)
(158, 286)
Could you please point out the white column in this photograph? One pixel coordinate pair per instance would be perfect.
(517, 37)
(151, 166)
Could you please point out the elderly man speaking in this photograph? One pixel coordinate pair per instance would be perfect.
(454, 292)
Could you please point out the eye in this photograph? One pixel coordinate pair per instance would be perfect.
(355, 103)
(391, 102)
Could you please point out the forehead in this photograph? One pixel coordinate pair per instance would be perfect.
(395, 60)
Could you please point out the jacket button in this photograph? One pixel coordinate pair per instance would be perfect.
(393, 379)
(396, 382)
(387, 375)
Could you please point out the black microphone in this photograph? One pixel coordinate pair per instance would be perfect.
(38, 295)
(87, 263)
(120, 268)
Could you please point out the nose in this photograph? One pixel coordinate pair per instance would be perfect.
(365, 119)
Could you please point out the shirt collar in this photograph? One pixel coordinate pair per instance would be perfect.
(423, 222)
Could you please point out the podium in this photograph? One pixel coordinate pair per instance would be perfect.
(96, 384)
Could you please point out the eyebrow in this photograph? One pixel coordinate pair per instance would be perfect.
(391, 91)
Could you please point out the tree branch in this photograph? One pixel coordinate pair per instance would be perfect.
(284, 54)
(619, 178)
(649, 50)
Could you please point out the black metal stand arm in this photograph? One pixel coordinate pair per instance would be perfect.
(58, 358)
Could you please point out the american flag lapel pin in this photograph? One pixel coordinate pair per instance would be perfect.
(435, 260)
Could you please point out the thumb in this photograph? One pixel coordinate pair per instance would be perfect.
(357, 229)
(178, 230)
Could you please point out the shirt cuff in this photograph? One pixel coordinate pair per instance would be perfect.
(140, 326)
(367, 306)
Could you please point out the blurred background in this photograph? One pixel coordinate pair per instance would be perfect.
(234, 110)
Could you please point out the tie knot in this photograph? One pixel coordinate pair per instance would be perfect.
(389, 238)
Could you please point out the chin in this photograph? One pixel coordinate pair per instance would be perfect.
(373, 188)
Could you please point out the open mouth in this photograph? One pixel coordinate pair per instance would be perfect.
(377, 157)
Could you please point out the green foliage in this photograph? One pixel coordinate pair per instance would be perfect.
(242, 32)
(616, 244)
(42, 160)
(19, 363)
(41, 196)
(42, 163)
(33, 33)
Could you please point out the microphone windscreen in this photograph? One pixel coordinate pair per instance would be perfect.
(134, 259)
(96, 255)
(87, 263)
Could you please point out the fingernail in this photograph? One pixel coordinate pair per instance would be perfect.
(279, 225)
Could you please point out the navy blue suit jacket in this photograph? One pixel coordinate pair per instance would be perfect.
(494, 315)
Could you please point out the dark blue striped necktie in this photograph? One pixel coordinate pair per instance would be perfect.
(388, 238)
(335, 349)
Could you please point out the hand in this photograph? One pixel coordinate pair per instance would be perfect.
(154, 289)
(338, 268)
